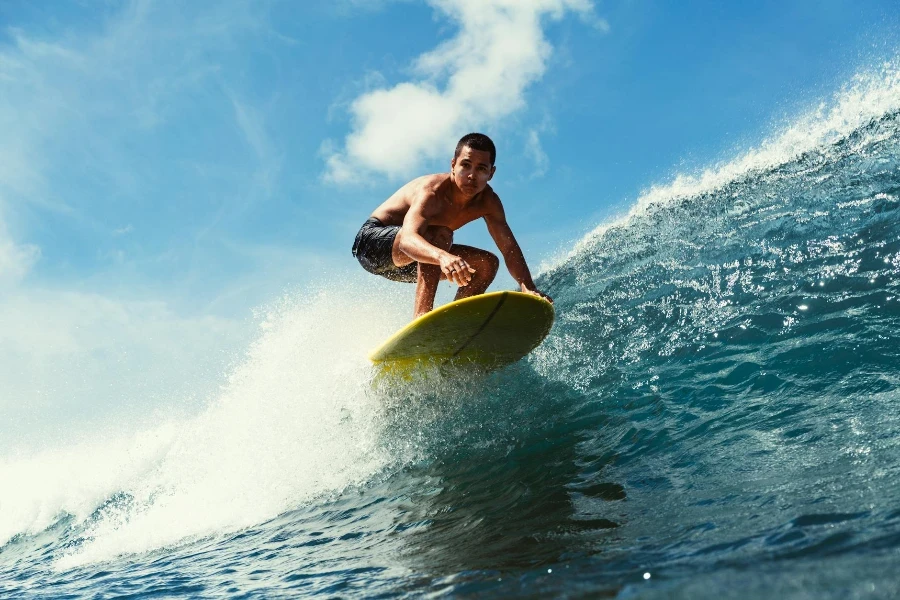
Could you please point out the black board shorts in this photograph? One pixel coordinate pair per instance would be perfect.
(373, 247)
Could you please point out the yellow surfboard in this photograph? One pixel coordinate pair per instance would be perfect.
(490, 330)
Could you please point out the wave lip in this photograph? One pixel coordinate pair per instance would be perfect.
(870, 96)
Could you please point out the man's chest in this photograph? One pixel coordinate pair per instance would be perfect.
(456, 219)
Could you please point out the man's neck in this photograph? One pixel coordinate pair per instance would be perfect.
(456, 195)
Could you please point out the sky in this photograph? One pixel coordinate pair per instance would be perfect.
(167, 168)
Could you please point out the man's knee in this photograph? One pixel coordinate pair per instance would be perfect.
(492, 262)
(486, 263)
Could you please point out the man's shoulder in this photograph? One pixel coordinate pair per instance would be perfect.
(489, 197)
(425, 193)
(429, 187)
(435, 182)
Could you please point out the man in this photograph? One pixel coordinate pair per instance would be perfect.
(410, 236)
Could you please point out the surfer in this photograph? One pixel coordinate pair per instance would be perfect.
(409, 238)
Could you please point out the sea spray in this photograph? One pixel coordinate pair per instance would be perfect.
(293, 421)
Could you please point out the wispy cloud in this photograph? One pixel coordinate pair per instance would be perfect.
(93, 116)
(15, 259)
(253, 128)
(473, 79)
(535, 150)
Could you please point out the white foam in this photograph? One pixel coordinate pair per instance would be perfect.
(294, 421)
(38, 489)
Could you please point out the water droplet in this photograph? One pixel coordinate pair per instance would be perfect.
(549, 570)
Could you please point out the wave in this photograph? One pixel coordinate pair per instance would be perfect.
(870, 96)
(295, 420)
(728, 320)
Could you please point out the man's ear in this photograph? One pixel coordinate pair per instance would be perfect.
(493, 170)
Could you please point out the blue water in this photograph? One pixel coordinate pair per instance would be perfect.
(716, 414)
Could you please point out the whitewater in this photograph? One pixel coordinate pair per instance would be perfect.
(715, 414)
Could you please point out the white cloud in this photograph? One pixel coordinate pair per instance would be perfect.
(15, 259)
(467, 82)
(68, 356)
(534, 149)
(78, 107)
(252, 126)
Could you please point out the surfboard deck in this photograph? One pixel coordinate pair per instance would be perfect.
(489, 330)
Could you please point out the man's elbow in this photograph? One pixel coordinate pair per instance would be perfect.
(409, 245)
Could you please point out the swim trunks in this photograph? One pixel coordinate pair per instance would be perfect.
(372, 248)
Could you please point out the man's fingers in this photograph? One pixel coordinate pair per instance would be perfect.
(459, 272)
(466, 272)
(455, 276)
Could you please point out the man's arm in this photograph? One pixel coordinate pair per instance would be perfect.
(415, 246)
(509, 248)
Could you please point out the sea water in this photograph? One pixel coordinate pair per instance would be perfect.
(715, 414)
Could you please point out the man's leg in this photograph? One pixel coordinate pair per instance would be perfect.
(429, 275)
(485, 264)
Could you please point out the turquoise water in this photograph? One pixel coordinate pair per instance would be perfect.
(716, 414)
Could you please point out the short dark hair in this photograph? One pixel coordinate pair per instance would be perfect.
(476, 141)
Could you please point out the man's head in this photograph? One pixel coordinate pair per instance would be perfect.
(476, 141)
(473, 163)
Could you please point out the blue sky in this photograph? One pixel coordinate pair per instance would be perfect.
(159, 146)
(167, 166)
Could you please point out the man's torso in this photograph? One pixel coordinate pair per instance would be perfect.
(393, 210)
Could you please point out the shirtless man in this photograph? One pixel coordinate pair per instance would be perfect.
(410, 236)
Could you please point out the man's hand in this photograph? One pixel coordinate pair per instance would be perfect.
(536, 292)
(456, 269)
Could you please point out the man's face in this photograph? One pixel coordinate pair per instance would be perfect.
(471, 170)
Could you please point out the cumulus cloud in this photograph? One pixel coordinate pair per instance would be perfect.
(475, 78)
